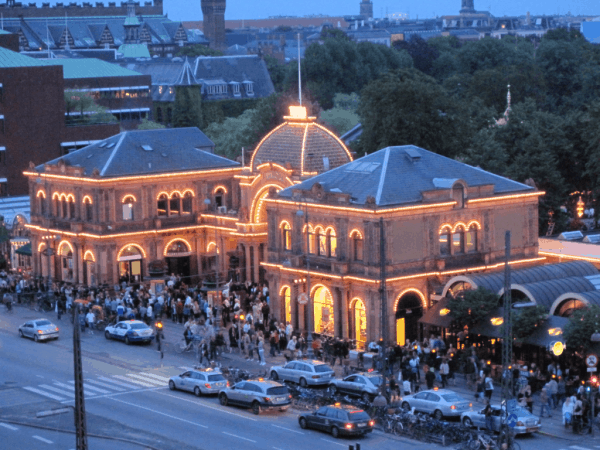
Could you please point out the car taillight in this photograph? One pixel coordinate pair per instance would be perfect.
(316, 376)
(267, 399)
(228, 386)
(207, 385)
(56, 328)
(290, 396)
(371, 423)
(453, 407)
(470, 405)
(349, 426)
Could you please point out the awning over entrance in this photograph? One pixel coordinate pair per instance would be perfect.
(438, 315)
(24, 250)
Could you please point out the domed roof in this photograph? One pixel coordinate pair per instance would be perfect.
(308, 147)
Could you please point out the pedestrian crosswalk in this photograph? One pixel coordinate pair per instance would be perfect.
(577, 447)
(100, 386)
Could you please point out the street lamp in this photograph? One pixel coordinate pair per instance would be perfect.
(309, 338)
(218, 292)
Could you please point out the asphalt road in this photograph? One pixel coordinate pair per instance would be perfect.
(127, 399)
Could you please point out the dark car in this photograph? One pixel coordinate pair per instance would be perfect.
(338, 420)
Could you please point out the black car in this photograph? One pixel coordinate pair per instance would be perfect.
(338, 420)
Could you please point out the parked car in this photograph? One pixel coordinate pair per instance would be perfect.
(129, 331)
(305, 372)
(199, 381)
(338, 420)
(526, 422)
(257, 394)
(362, 384)
(440, 403)
(39, 330)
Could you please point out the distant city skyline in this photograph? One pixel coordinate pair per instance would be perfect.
(186, 10)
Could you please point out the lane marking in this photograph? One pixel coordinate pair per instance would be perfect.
(39, 438)
(54, 389)
(288, 429)
(239, 437)
(66, 386)
(45, 394)
(119, 383)
(106, 385)
(576, 447)
(158, 412)
(146, 380)
(131, 380)
(94, 397)
(10, 427)
(158, 377)
(332, 442)
(94, 390)
(39, 376)
(207, 405)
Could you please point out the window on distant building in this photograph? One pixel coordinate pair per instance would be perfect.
(128, 202)
(286, 236)
(162, 204)
(445, 241)
(471, 239)
(458, 241)
(356, 240)
(186, 203)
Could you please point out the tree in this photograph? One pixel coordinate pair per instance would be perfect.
(146, 124)
(277, 71)
(342, 117)
(421, 52)
(232, 134)
(489, 53)
(198, 50)
(333, 33)
(406, 107)
(472, 307)
(82, 108)
(582, 324)
(526, 320)
(187, 110)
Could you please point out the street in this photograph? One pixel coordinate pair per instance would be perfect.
(129, 403)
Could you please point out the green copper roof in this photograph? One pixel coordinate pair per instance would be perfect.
(8, 58)
(134, 51)
(90, 68)
(5, 32)
(132, 21)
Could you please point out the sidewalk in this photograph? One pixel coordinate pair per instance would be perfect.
(551, 426)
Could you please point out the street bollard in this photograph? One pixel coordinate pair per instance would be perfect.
(357, 446)
(350, 447)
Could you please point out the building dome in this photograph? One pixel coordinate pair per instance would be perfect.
(302, 145)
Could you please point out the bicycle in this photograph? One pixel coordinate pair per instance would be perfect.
(184, 346)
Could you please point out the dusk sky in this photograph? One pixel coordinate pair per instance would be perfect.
(257, 9)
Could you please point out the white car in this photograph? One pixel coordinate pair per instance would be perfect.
(39, 330)
(130, 331)
(199, 381)
(526, 422)
(305, 373)
(438, 402)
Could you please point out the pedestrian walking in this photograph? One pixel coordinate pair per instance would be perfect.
(261, 350)
(567, 412)
(489, 387)
(444, 371)
(489, 419)
(545, 403)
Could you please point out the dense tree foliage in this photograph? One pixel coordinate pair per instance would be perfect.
(472, 307)
(187, 111)
(198, 50)
(582, 324)
(526, 320)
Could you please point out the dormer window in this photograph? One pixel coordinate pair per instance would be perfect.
(235, 88)
(458, 195)
(249, 87)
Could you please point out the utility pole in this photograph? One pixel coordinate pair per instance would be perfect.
(383, 300)
(80, 422)
(507, 339)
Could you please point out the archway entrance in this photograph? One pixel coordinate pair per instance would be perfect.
(286, 295)
(568, 307)
(323, 307)
(131, 265)
(409, 310)
(358, 322)
(89, 264)
(66, 261)
(177, 256)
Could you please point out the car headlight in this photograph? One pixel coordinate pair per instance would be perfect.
(135, 333)
(520, 424)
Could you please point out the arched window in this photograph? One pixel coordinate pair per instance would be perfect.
(174, 204)
(356, 240)
(87, 207)
(41, 199)
(186, 203)
(128, 202)
(321, 238)
(458, 195)
(458, 241)
(286, 294)
(162, 204)
(220, 197)
(64, 207)
(56, 205)
(312, 247)
(445, 240)
(286, 236)
(471, 239)
(331, 242)
(71, 202)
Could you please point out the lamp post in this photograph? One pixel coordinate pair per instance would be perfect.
(309, 326)
(207, 203)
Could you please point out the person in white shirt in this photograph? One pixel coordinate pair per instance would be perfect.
(90, 318)
(406, 387)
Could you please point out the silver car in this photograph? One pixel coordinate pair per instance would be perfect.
(257, 394)
(199, 381)
(363, 384)
(39, 330)
(308, 372)
(526, 422)
(440, 403)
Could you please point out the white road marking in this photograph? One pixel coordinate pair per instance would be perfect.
(332, 442)
(39, 376)
(94, 397)
(106, 385)
(158, 377)
(54, 389)
(239, 437)
(161, 413)
(119, 383)
(131, 380)
(10, 427)
(576, 447)
(288, 429)
(45, 394)
(207, 405)
(94, 389)
(66, 386)
(146, 380)
(39, 438)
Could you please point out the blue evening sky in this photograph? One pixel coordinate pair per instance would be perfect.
(258, 9)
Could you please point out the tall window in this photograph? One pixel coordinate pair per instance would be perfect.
(174, 204)
(312, 248)
(356, 240)
(162, 204)
(332, 242)
(41, 199)
(458, 195)
(56, 203)
(71, 202)
(219, 198)
(445, 241)
(87, 207)
(458, 241)
(321, 242)
(186, 203)
(128, 203)
(471, 239)
(64, 207)
(286, 236)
